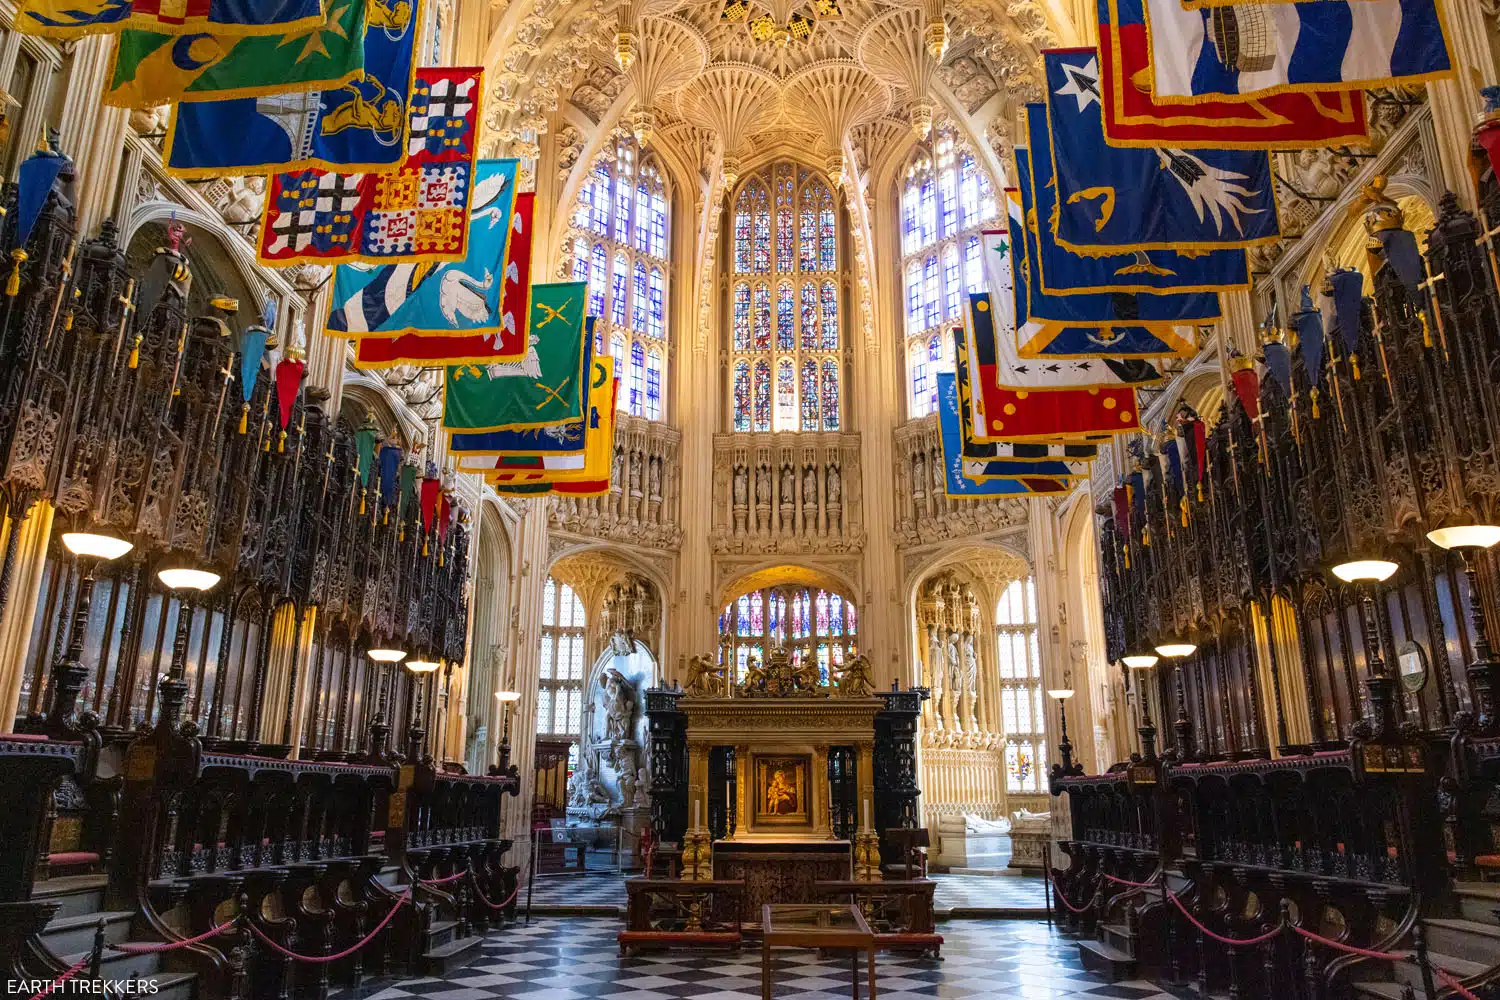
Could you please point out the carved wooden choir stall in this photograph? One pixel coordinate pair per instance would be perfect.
(219, 538)
(1312, 576)
(779, 788)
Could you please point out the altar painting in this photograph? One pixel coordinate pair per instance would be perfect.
(781, 791)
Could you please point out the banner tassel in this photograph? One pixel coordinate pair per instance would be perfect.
(362, 502)
(1354, 366)
(13, 286)
(244, 417)
(135, 352)
(281, 442)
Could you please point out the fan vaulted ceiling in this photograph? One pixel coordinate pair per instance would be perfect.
(742, 75)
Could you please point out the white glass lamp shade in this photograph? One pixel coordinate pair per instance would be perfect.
(1061, 694)
(1140, 661)
(386, 655)
(422, 666)
(1466, 536)
(1175, 650)
(508, 696)
(188, 579)
(1365, 570)
(84, 543)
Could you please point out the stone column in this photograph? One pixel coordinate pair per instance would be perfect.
(529, 572)
(94, 135)
(743, 778)
(33, 535)
(821, 815)
(1455, 103)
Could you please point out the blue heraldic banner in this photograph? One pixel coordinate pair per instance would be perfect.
(1056, 271)
(429, 297)
(1111, 200)
(1097, 307)
(953, 461)
(359, 126)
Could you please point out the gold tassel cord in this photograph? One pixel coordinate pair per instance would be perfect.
(135, 352)
(244, 417)
(1317, 414)
(362, 501)
(281, 442)
(1354, 366)
(13, 286)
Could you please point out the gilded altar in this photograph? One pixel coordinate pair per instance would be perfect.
(774, 734)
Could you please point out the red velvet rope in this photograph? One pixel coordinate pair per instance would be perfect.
(1134, 885)
(321, 959)
(443, 881)
(1057, 891)
(62, 979)
(1351, 949)
(480, 893)
(146, 949)
(1268, 935)
(1454, 984)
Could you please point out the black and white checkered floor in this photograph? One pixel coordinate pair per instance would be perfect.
(955, 894)
(575, 958)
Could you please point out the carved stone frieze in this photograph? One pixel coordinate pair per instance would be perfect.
(787, 493)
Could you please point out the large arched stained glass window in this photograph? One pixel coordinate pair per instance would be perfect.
(808, 622)
(559, 702)
(784, 303)
(947, 200)
(1020, 667)
(622, 212)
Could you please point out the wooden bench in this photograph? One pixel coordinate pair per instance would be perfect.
(666, 912)
(899, 911)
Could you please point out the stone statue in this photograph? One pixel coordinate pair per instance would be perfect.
(788, 484)
(642, 789)
(702, 672)
(809, 488)
(619, 705)
(971, 664)
(854, 678)
(741, 486)
(835, 485)
(763, 486)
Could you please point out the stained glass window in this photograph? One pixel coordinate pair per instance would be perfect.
(625, 203)
(946, 200)
(653, 385)
(953, 289)
(598, 259)
(762, 317)
(642, 215)
(560, 668)
(812, 625)
(786, 224)
(785, 318)
(742, 317)
(830, 394)
(830, 316)
(762, 395)
(742, 395)
(658, 304)
(786, 396)
(619, 300)
(810, 395)
(809, 316)
(1019, 665)
(638, 306)
(637, 383)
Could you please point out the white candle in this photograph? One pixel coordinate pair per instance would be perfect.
(867, 815)
(696, 804)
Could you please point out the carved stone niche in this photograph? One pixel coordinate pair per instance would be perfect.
(787, 493)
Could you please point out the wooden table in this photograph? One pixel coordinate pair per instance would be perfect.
(828, 928)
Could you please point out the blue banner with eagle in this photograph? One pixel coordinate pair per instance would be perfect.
(1112, 200)
(358, 125)
(436, 297)
(1058, 271)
